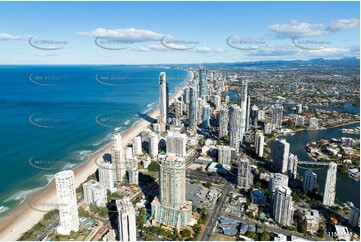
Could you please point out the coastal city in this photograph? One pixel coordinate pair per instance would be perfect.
(180, 120)
(217, 161)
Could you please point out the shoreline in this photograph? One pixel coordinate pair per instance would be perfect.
(304, 129)
(23, 217)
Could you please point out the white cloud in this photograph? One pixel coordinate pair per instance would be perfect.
(131, 34)
(207, 50)
(5, 36)
(342, 24)
(140, 49)
(298, 29)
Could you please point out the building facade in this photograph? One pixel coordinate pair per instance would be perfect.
(67, 202)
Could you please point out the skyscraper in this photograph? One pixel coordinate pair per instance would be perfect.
(118, 157)
(234, 126)
(203, 85)
(206, 109)
(292, 166)
(223, 122)
(277, 180)
(259, 143)
(282, 205)
(254, 115)
(127, 230)
(248, 112)
(66, 198)
(106, 175)
(280, 155)
(178, 108)
(193, 112)
(176, 144)
(309, 181)
(277, 112)
(224, 155)
(133, 175)
(137, 145)
(153, 145)
(330, 186)
(171, 208)
(244, 173)
(162, 119)
(243, 99)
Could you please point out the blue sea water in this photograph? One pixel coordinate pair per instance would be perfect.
(57, 115)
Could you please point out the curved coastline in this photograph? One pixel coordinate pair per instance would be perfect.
(22, 218)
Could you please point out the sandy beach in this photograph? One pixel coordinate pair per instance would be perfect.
(25, 216)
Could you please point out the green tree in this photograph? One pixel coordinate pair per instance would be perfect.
(153, 166)
(265, 236)
(207, 184)
(186, 233)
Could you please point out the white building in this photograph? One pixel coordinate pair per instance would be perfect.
(178, 108)
(292, 166)
(118, 157)
(282, 206)
(330, 187)
(243, 98)
(309, 181)
(313, 123)
(280, 154)
(106, 175)
(223, 122)
(153, 146)
(133, 176)
(277, 179)
(127, 230)
(162, 119)
(259, 143)
(217, 101)
(300, 120)
(94, 193)
(277, 112)
(234, 126)
(224, 155)
(67, 203)
(244, 173)
(342, 233)
(268, 128)
(177, 144)
(137, 145)
(312, 220)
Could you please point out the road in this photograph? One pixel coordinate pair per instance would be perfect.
(271, 228)
(216, 212)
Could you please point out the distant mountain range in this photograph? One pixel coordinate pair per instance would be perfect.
(352, 61)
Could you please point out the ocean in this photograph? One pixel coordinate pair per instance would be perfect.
(53, 117)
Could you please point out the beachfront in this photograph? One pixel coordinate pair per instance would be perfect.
(24, 217)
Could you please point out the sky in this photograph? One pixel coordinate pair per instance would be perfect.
(176, 32)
